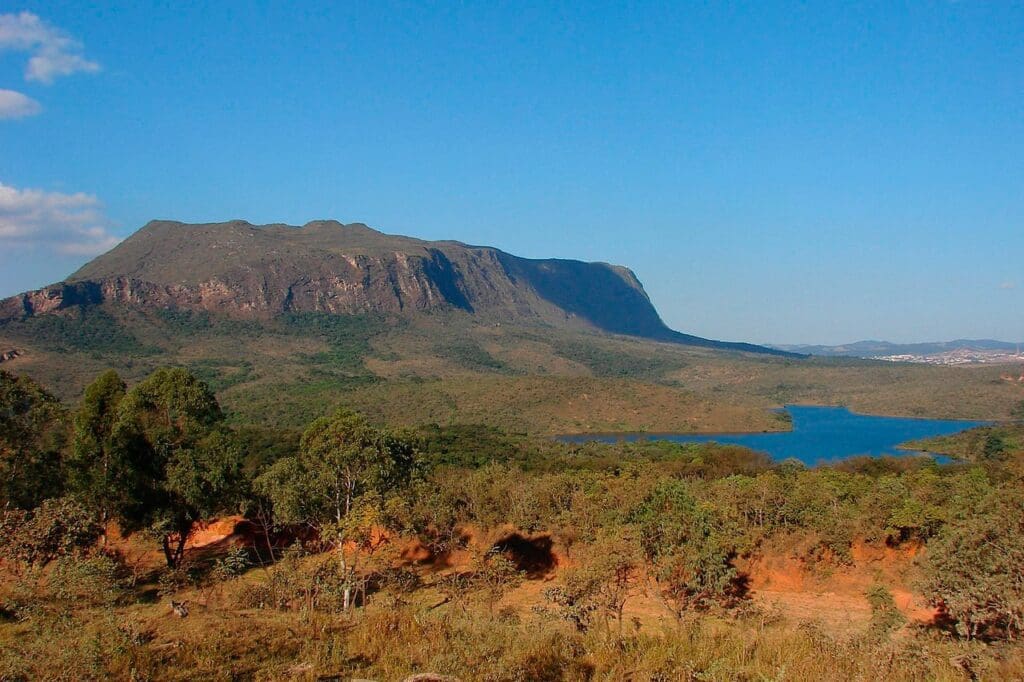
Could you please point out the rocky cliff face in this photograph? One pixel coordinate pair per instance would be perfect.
(243, 270)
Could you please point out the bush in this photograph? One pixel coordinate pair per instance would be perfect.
(173, 580)
(975, 568)
(233, 564)
(691, 548)
(65, 585)
(57, 528)
(399, 579)
(315, 584)
(93, 581)
(885, 616)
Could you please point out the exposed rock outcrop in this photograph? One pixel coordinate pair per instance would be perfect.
(243, 270)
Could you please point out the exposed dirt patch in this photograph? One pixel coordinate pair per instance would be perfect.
(833, 594)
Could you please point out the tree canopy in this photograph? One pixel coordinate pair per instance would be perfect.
(32, 436)
(177, 464)
(340, 458)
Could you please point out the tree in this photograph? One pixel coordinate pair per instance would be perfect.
(690, 547)
(176, 462)
(994, 449)
(32, 436)
(495, 574)
(613, 557)
(975, 568)
(95, 468)
(341, 461)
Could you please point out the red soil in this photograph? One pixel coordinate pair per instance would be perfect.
(779, 578)
(834, 593)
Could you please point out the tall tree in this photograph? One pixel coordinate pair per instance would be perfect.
(33, 433)
(95, 468)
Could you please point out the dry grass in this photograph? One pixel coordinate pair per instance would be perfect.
(523, 639)
(217, 642)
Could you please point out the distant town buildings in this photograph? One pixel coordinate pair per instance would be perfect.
(962, 356)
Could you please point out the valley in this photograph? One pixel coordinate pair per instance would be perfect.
(340, 433)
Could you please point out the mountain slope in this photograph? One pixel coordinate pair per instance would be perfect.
(247, 271)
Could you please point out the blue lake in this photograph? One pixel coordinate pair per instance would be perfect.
(820, 434)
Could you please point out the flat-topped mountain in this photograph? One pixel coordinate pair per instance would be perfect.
(259, 271)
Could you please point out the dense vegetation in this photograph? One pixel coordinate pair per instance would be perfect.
(83, 329)
(376, 552)
(605, 362)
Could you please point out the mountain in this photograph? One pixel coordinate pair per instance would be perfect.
(874, 349)
(241, 270)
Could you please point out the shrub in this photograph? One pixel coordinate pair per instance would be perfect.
(173, 580)
(57, 528)
(496, 574)
(399, 579)
(315, 584)
(885, 616)
(975, 568)
(93, 581)
(690, 547)
(233, 564)
(576, 598)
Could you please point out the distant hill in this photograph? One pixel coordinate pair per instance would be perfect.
(245, 271)
(871, 349)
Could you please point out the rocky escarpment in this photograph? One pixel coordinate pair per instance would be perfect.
(242, 270)
(350, 285)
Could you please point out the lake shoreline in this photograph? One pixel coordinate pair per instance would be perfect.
(657, 434)
(818, 434)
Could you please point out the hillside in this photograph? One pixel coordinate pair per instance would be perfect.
(257, 272)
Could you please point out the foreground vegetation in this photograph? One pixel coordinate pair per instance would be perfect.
(364, 551)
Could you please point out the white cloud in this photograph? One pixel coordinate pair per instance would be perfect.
(1008, 285)
(70, 224)
(16, 105)
(54, 53)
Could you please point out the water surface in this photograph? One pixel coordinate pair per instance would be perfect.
(820, 434)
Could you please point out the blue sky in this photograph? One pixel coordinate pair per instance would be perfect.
(773, 172)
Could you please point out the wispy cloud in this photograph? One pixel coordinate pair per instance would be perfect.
(53, 52)
(1008, 285)
(70, 224)
(16, 105)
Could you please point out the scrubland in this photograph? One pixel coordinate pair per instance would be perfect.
(350, 549)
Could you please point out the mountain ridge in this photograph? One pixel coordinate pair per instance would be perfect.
(244, 270)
